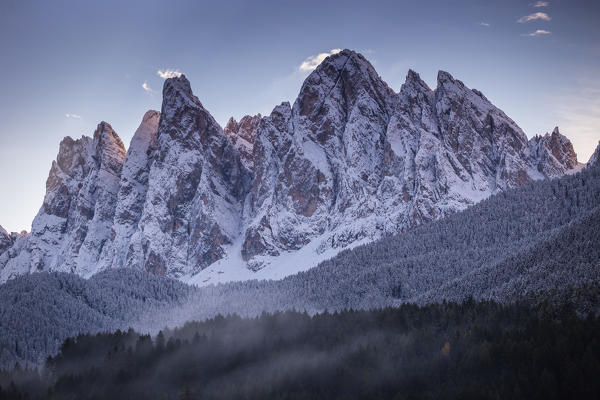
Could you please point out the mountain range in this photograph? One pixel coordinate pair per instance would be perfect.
(350, 162)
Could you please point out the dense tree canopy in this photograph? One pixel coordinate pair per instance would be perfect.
(475, 350)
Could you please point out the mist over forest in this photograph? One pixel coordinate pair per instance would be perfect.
(472, 350)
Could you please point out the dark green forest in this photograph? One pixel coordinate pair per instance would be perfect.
(471, 350)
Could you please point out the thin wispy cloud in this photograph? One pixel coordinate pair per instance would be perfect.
(539, 32)
(538, 4)
(168, 73)
(313, 62)
(484, 24)
(147, 88)
(73, 116)
(535, 16)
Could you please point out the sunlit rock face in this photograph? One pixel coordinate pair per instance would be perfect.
(349, 162)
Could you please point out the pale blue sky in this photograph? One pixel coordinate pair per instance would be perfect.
(91, 60)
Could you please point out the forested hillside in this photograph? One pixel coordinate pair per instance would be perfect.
(39, 311)
(474, 350)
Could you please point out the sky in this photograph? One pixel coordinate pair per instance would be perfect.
(67, 65)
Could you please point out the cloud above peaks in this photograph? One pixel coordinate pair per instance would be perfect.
(535, 16)
(538, 4)
(313, 62)
(74, 116)
(168, 73)
(147, 88)
(539, 32)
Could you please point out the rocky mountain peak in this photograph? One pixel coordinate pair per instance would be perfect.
(242, 136)
(145, 137)
(414, 92)
(231, 127)
(150, 116)
(281, 114)
(71, 156)
(339, 82)
(177, 84)
(414, 81)
(562, 149)
(245, 129)
(183, 118)
(444, 78)
(553, 153)
(108, 147)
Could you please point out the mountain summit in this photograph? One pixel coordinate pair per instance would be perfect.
(349, 162)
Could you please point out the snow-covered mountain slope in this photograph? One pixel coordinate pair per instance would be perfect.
(349, 162)
(595, 158)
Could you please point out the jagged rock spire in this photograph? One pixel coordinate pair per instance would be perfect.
(242, 135)
(552, 154)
